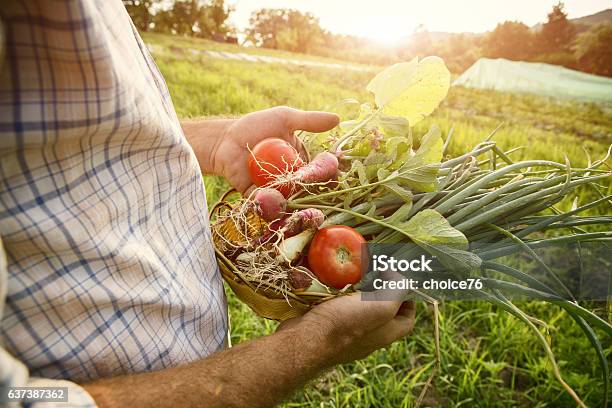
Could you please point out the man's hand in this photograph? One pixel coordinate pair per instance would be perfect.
(353, 328)
(221, 145)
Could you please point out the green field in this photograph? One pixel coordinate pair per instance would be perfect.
(489, 359)
(209, 45)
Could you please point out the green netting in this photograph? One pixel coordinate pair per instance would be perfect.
(542, 79)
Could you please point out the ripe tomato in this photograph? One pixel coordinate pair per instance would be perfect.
(272, 157)
(335, 255)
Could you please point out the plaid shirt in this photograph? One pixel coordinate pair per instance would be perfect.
(110, 267)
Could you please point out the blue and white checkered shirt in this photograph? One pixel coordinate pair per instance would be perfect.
(109, 265)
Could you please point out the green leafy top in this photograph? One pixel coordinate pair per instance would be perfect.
(411, 90)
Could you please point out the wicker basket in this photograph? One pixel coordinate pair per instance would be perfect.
(264, 302)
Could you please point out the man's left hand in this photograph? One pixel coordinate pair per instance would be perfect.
(226, 152)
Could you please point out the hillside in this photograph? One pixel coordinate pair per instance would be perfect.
(604, 16)
(585, 22)
(582, 23)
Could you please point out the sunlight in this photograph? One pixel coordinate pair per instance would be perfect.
(384, 30)
(382, 37)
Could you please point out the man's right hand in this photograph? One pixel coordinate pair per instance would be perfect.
(350, 328)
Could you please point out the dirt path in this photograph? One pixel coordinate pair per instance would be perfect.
(241, 56)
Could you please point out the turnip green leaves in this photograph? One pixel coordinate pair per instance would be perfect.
(411, 90)
(430, 230)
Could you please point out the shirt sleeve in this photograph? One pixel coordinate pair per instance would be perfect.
(13, 373)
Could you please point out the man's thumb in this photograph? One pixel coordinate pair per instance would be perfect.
(311, 121)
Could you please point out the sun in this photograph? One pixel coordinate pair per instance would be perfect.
(381, 30)
(383, 37)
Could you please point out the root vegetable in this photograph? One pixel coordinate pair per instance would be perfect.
(269, 203)
(323, 168)
(246, 257)
(301, 220)
(299, 279)
(291, 249)
(310, 218)
(317, 287)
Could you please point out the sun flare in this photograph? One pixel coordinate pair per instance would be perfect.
(382, 36)
(383, 29)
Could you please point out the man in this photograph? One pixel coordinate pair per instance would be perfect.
(108, 271)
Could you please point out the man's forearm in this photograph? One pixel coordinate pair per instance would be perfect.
(204, 137)
(257, 373)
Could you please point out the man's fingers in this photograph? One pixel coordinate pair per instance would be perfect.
(407, 309)
(406, 314)
(397, 328)
(310, 121)
(403, 323)
(384, 309)
(400, 326)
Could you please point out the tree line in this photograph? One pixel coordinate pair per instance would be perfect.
(192, 18)
(557, 41)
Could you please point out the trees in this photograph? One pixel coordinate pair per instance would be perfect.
(558, 33)
(593, 50)
(460, 51)
(285, 29)
(140, 12)
(181, 17)
(218, 13)
(421, 43)
(264, 26)
(510, 39)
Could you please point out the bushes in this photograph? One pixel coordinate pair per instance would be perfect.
(592, 50)
(564, 58)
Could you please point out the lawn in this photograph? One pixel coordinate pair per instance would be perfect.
(489, 358)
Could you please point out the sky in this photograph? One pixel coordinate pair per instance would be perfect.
(386, 20)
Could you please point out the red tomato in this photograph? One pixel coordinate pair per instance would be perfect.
(335, 255)
(272, 157)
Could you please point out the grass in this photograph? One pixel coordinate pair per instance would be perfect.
(221, 87)
(181, 43)
(489, 359)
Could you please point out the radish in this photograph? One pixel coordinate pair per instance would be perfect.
(304, 280)
(299, 221)
(268, 203)
(298, 229)
(323, 168)
(310, 218)
(300, 279)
